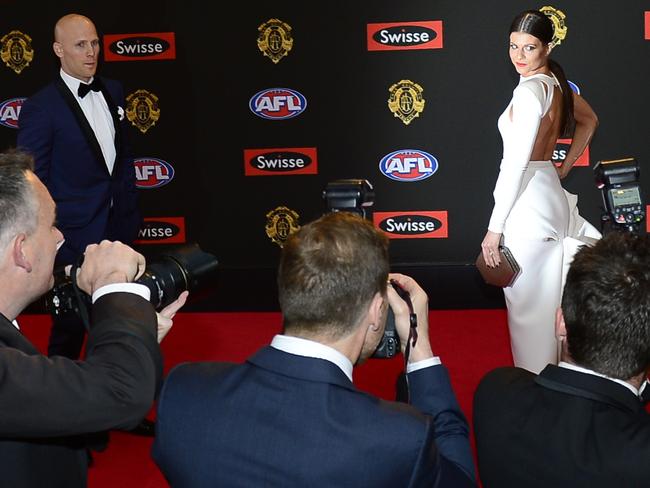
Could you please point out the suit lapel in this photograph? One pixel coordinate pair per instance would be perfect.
(588, 386)
(300, 367)
(82, 121)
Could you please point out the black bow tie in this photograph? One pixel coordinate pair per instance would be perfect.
(83, 90)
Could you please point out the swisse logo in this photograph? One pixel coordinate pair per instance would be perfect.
(162, 230)
(139, 47)
(10, 112)
(277, 103)
(408, 165)
(413, 224)
(280, 161)
(152, 172)
(562, 148)
(398, 36)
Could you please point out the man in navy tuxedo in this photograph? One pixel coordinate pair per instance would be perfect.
(581, 423)
(75, 129)
(290, 416)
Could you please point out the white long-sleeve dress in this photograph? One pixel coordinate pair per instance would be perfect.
(540, 224)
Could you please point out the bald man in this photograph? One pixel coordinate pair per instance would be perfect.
(76, 132)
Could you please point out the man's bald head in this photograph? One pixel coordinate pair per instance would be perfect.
(65, 23)
(76, 44)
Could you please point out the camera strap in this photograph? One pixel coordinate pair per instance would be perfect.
(81, 300)
(413, 331)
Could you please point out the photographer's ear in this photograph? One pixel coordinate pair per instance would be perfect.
(18, 253)
(560, 326)
(377, 312)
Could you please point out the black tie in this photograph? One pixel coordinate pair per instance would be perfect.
(84, 88)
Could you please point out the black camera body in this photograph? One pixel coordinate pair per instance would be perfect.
(390, 345)
(166, 276)
(619, 181)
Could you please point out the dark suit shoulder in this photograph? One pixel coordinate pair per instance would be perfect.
(506, 377)
(43, 95)
(188, 379)
(198, 371)
(498, 387)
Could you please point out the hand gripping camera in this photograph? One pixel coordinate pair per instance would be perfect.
(166, 275)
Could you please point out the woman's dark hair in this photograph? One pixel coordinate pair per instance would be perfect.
(537, 24)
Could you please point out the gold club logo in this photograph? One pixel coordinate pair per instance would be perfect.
(16, 50)
(406, 101)
(275, 39)
(142, 109)
(559, 27)
(280, 224)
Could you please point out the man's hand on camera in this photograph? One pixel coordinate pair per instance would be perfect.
(420, 301)
(166, 315)
(109, 262)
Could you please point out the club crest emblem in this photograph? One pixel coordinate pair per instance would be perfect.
(142, 109)
(274, 40)
(280, 224)
(16, 50)
(559, 27)
(406, 101)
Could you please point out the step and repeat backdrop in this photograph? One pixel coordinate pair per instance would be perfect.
(240, 119)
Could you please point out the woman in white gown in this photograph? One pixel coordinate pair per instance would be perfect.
(532, 213)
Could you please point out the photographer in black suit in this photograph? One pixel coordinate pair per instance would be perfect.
(51, 406)
(581, 423)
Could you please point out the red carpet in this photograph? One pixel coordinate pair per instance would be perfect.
(469, 342)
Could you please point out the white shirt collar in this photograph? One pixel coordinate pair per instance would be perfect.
(72, 82)
(312, 349)
(575, 367)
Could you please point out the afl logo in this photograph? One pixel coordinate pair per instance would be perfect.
(277, 103)
(10, 112)
(152, 172)
(413, 224)
(408, 165)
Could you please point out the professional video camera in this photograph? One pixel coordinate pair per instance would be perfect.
(166, 275)
(619, 181)
(356, 195)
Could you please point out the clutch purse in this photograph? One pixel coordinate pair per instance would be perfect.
(503, 275)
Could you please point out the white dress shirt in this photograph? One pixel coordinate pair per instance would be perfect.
(575, 367)
(312, 349)
(97, 113)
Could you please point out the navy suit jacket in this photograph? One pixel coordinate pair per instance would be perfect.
(284, 420)
(562, 428)
(69, 161)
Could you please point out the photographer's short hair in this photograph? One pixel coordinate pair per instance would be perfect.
(606, 306)
(18, 212)
(329, 272)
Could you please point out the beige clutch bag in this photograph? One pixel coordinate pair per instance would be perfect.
(503, 275)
